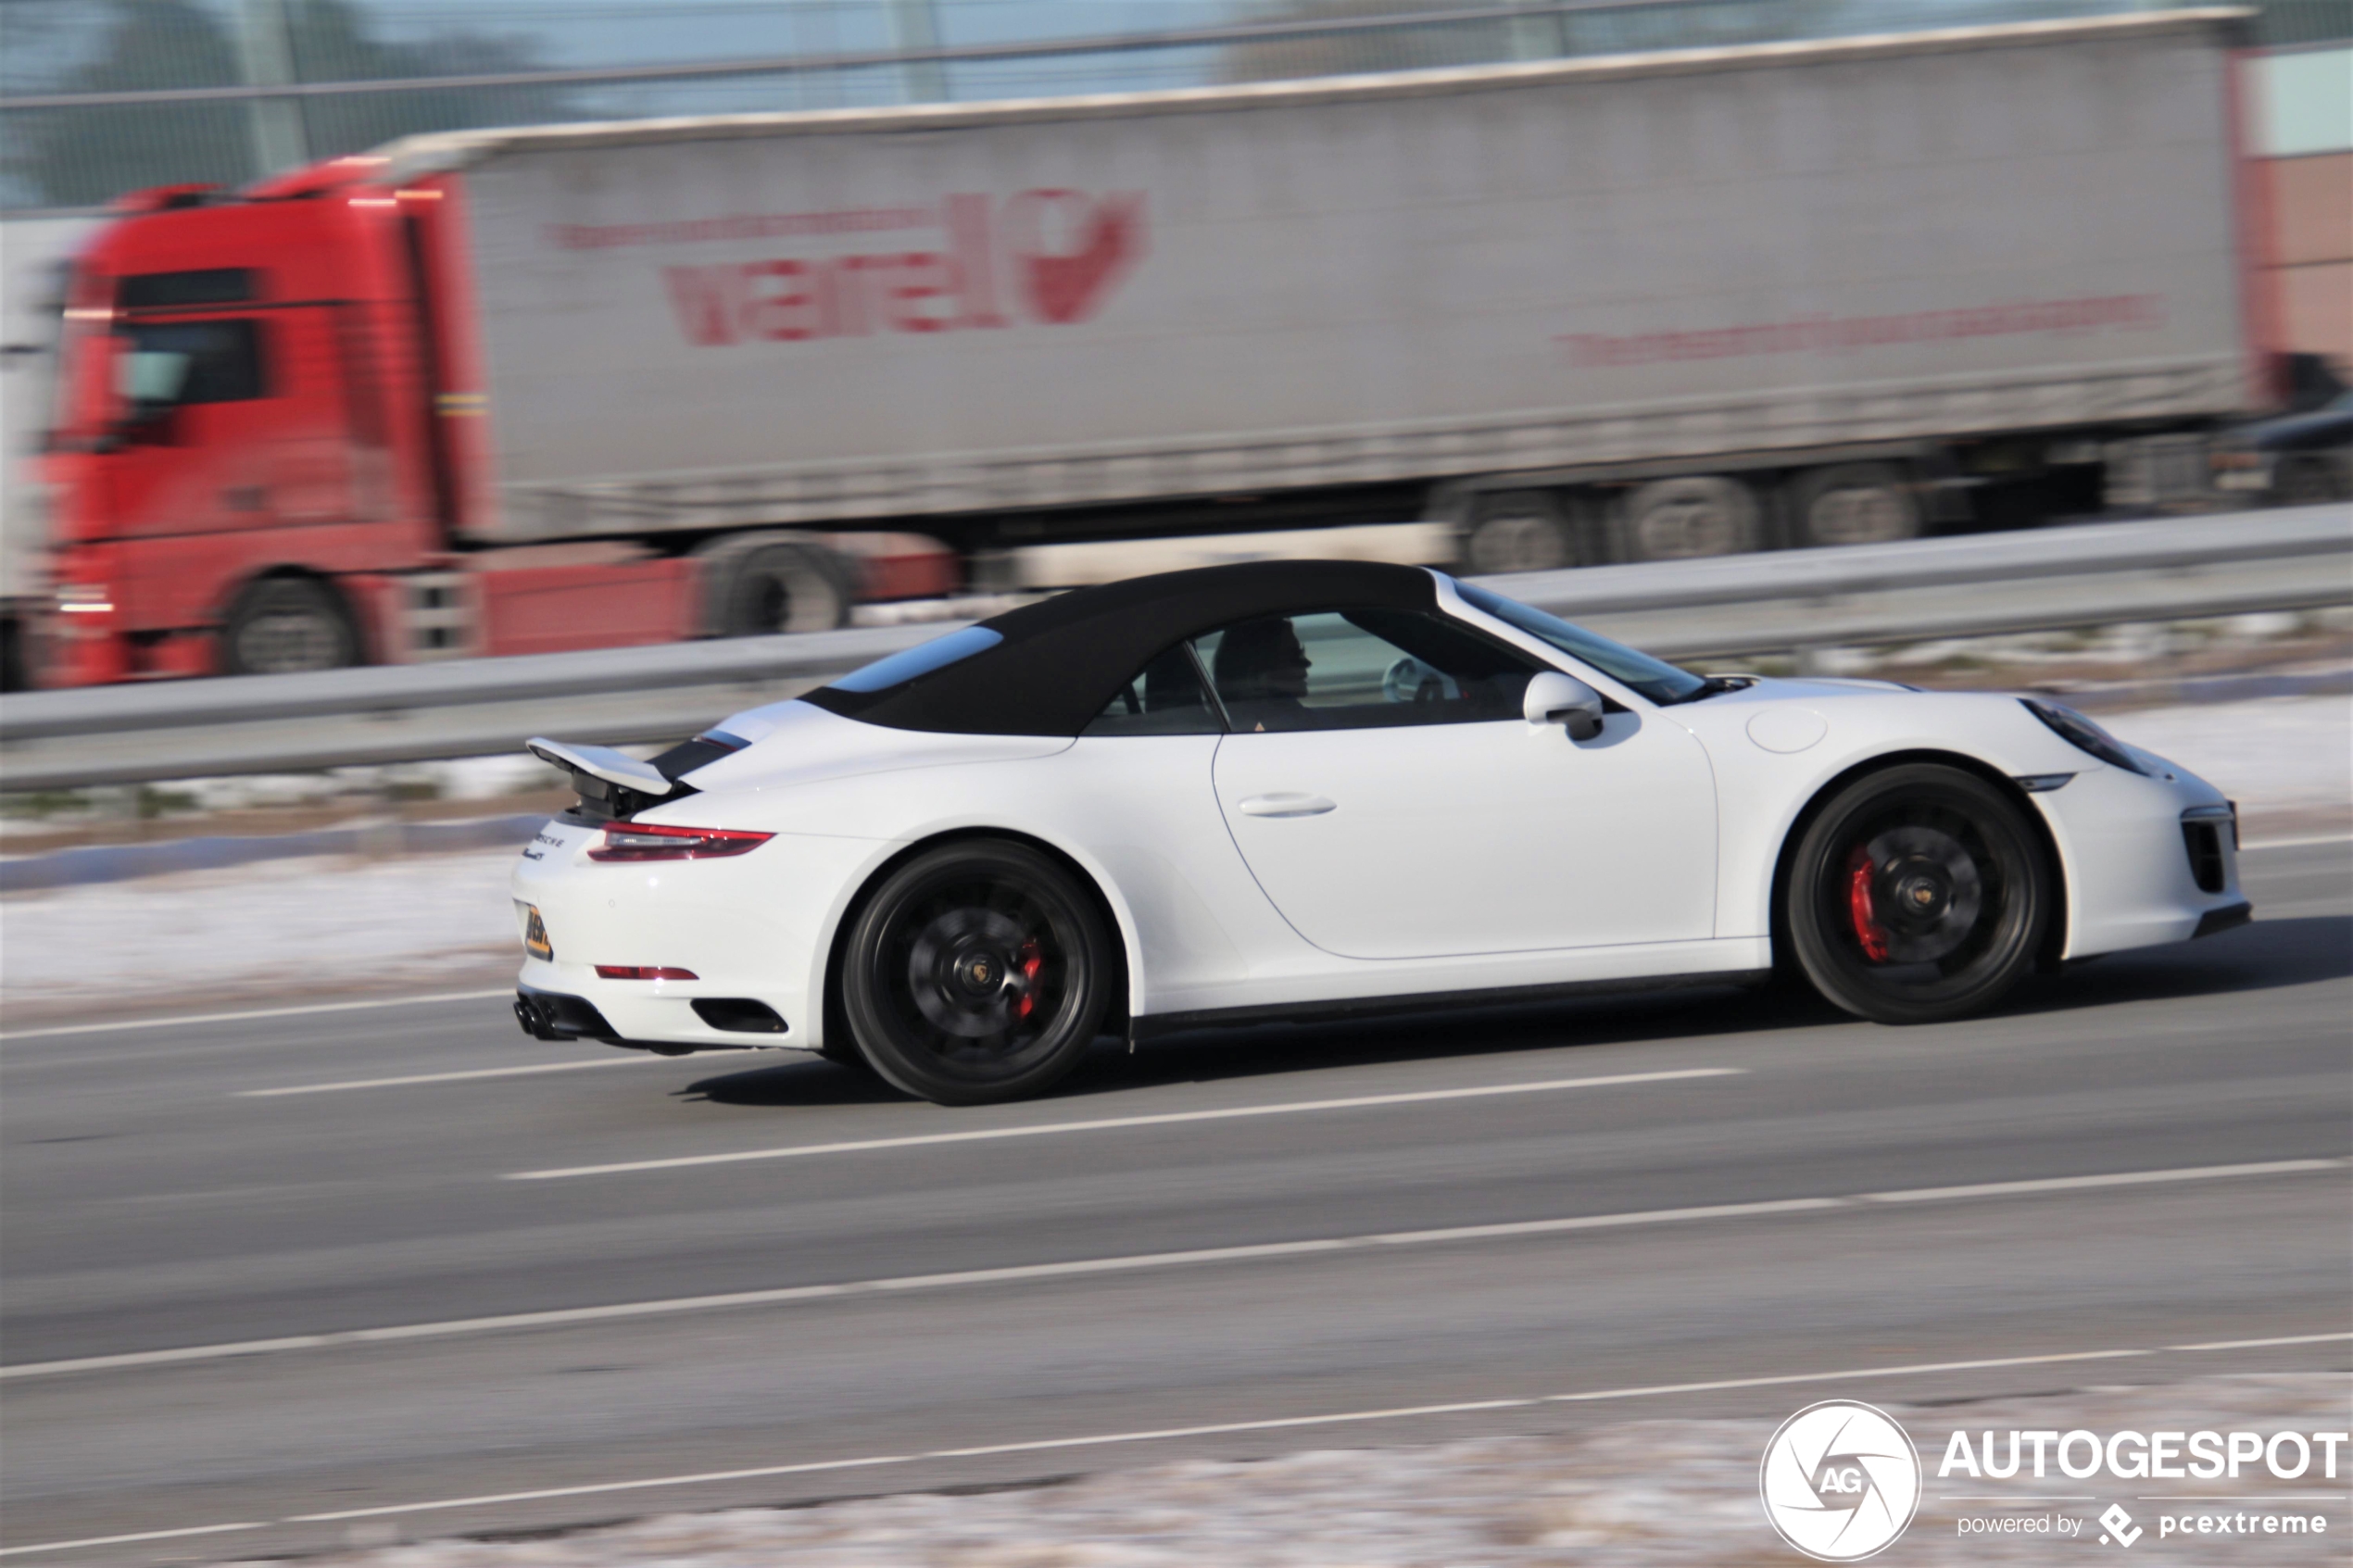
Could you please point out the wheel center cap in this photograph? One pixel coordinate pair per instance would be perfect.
(980, 970)
(1922, 896)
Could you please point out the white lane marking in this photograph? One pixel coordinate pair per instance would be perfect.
(1034, 1447)
(1129, 1263)
(260, 1012)
(1275, 1423)
(2297, 843)
(141, 1535)
(2259, 1344)
(2120, 1178)
(446, 1077)
(1164, 1118)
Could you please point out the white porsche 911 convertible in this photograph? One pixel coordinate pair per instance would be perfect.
(1309, 789)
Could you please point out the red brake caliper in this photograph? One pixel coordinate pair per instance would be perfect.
(1860, 908)
(1031, 962)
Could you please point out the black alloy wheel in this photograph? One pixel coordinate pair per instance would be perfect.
(1919, 895)
(977, 972)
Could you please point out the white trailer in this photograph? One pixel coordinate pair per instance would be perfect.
(1635, 307)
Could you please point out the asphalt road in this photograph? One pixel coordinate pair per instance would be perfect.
(163, 1195)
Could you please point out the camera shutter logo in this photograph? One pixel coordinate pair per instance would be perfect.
(1840, 1481)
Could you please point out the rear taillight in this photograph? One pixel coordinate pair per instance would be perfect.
(659, 841)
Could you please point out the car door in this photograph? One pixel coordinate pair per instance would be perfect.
(1394, 804)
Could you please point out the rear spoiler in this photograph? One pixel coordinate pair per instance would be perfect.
(610, 784)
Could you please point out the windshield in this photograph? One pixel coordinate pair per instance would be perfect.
(1655, 678)
(900, 668)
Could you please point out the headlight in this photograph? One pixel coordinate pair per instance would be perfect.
(2082, 735)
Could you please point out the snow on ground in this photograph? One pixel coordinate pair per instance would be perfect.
(2279, 757)
(1627, 1494)
(444, 922)
(292, 928)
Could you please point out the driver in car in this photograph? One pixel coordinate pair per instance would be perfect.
(1261, 670)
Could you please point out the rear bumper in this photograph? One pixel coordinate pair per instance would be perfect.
(752, 928)
(551, 1015)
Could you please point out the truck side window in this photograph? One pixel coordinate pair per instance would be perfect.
(177, 362)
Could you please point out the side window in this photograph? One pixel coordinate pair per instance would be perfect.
(169, 363)
(1361, 668)
(1165, 698)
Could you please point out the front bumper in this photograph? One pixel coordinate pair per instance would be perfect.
(2134, 874)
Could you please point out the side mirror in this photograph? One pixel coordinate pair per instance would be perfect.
(1555, 699)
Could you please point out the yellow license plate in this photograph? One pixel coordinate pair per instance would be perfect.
(535, 935)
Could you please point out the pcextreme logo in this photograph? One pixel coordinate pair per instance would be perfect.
(1841, 1481)
(1052, 257)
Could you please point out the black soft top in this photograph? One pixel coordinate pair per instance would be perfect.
(1065, 658)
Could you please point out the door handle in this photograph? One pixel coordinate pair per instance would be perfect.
(1284, 806)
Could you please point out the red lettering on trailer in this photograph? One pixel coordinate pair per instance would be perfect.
(1067, 251)
(1067, 286)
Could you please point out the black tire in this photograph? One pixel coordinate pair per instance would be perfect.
(1854, 504)
(782, 588)
(1519, 531)
(976, 973)
(843, 1053)
(1916, 896)
(1695, 516)
(2311, 481)
(288, 626)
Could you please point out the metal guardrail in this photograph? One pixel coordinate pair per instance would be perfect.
(1729, 608)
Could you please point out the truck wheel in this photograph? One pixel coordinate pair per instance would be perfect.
(780, 587)
(2311, 481)
(1519, 531)
(1699, 515)
(1854, 504)
(285, 626)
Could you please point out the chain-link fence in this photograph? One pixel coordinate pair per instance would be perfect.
(101, 96)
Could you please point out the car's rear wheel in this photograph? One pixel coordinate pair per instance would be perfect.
(978, 971)
(1919, 893)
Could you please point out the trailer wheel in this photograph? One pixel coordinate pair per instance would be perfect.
(288, 626)
(1854, 504)
(1698, 515)
(1519, 531)
(778, 587)
(2310, 481)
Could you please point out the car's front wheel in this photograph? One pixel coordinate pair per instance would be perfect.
(1919, 894)
(978, 971)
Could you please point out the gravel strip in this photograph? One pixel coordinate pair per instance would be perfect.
(1628, 1495)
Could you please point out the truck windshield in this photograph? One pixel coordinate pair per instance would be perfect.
(1655, 678)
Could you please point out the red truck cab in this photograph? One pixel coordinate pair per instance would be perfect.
(272, 435)
(246, 430)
